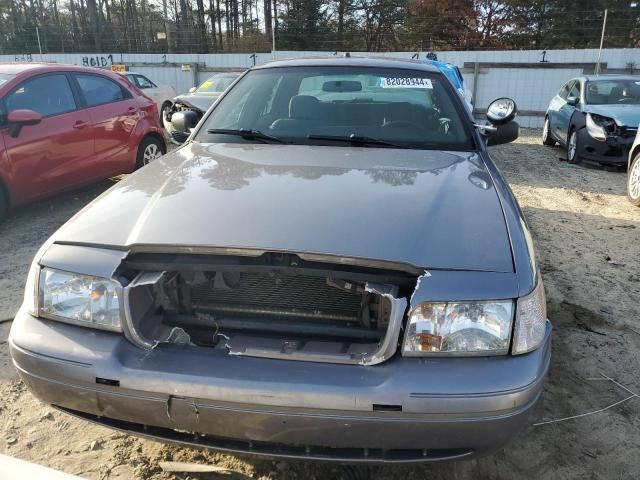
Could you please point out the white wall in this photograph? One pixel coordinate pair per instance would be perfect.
(532, 88)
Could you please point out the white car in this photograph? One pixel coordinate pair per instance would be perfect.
(161, 94)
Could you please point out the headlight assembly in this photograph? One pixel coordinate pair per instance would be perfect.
(79, 299)
(460, 328)
(599, 127)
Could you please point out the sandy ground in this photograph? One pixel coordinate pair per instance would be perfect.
(588, 244)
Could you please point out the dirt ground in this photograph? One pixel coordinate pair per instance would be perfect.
(588, 244)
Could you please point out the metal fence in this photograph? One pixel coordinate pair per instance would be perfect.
(531, 77)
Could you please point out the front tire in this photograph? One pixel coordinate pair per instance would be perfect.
(633, 181)
(164, 113)
(572, 147)
(150, 149)
(547, 139)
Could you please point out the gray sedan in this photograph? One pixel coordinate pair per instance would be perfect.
(331, 267)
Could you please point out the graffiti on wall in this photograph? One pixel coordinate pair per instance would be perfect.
(24, 57)
(97, 61)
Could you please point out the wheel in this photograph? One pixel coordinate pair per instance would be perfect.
(547, 139)
(150, 149)
(633, 181)
(164, 113)
(572, 147)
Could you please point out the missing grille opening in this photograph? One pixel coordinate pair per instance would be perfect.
(298, 314)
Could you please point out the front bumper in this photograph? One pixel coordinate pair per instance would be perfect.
(614, 151)
(404, 410)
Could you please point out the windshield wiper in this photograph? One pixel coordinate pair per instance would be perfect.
(246, 133)
(356, 140)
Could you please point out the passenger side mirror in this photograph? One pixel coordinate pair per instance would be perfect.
(184, 121)
(192, 89)
(573, 101)
(505, 133)
(22, 118)
(501, 111)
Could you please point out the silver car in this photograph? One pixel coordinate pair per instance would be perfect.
(332, 267)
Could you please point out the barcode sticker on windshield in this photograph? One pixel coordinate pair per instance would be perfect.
(405, 82)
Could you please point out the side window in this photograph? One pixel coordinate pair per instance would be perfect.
(143, 82)
(47, 94)
(98, 90)
(564, 91)
(575, 90)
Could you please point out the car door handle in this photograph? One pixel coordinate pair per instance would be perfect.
(79, 125)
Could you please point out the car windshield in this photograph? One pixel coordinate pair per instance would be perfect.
(341, 106)
(603, 92)
(216, 84)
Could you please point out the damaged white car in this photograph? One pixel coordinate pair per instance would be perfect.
(330, 268)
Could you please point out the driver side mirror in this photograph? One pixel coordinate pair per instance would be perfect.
(22, 118)
(573, 101)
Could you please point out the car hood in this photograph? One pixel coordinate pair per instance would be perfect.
(426, 209)
(624, 115)
(199, 101)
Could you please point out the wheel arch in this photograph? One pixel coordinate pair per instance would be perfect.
(158, 137)
(578, 121)
(635, 151)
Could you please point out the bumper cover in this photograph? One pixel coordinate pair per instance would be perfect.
(614, 151)
(404, 410)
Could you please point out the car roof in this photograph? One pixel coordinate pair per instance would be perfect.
(19, 69)
(351, 61)
(590, 78)
(230, 72)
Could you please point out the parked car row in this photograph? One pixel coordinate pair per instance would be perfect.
(596, 118)
(331, 267)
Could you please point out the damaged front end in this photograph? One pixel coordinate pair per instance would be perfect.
(271, 306)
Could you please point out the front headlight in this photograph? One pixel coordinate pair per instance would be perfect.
(79, 299)
(531, 321)
(598, 126)
(460, 328)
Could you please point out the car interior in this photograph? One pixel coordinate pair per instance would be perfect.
(610, 92)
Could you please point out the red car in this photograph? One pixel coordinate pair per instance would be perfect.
(63, 126)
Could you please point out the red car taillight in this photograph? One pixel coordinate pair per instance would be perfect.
(154, 108)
